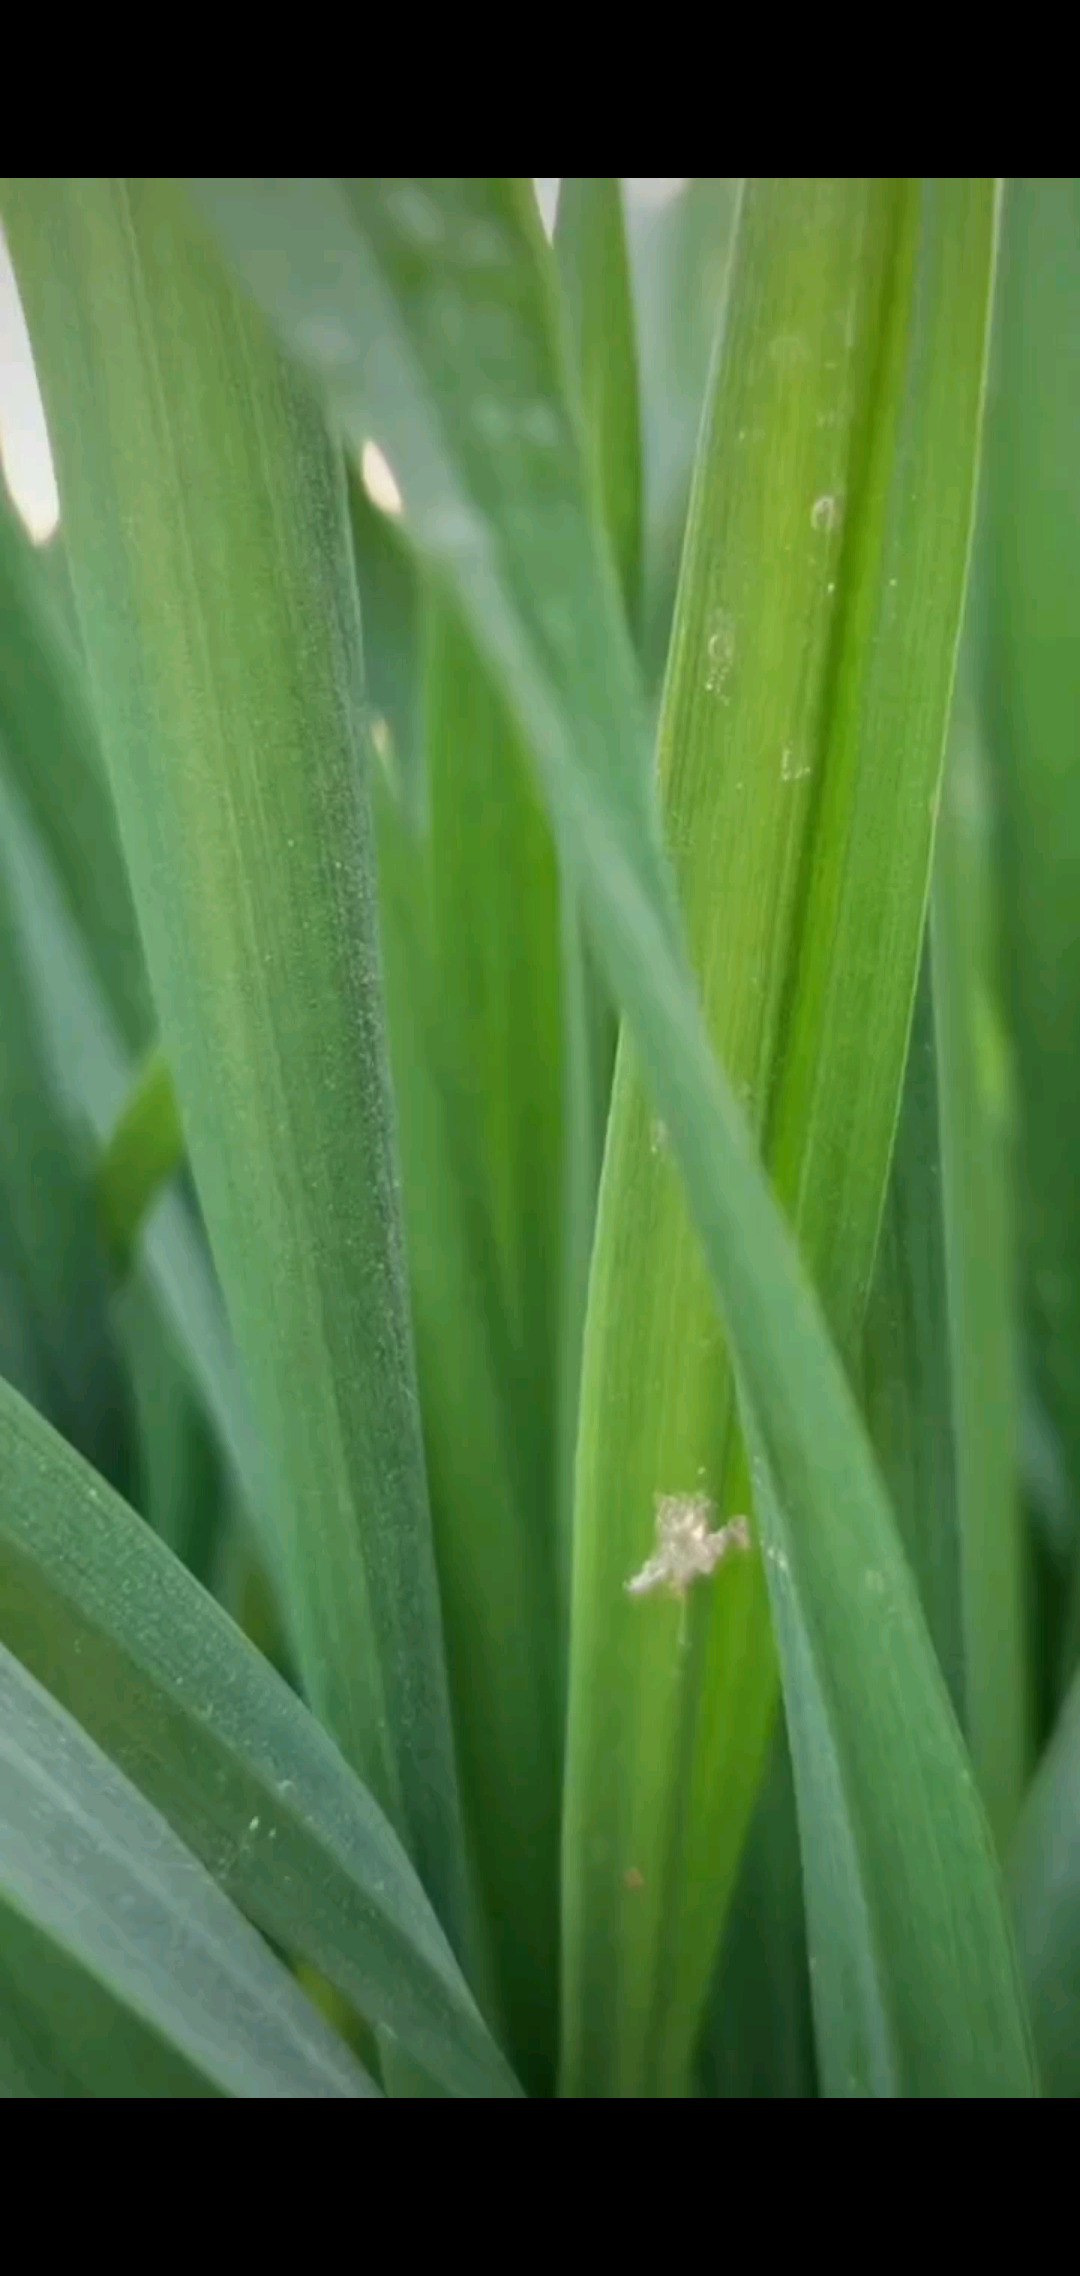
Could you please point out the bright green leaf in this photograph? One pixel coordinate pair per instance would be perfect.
(143, 1153)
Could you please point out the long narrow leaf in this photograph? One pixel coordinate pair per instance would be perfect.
(88, 1861)
(355, 274)
(50, 746)
(590, 248)
(206, 527)
(470, 916)
(93, 1074)
(803, 858)
(1030, 663)
(593, 264)
(939, 1363)
(170, 1689)
(50, 1244)
(907, 1358)
(1045, 1877)
(978, 1237)
(63, 2036)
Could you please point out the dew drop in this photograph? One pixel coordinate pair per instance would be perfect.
(379, 480)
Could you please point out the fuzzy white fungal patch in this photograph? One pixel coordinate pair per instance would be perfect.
(687, 1549)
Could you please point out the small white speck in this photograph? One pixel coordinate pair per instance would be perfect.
(825, 513)
(720, 652)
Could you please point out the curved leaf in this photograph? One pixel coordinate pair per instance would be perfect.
(93, 1074)
(406, 295)
(206, 527)
(86, 1859)
(63, 2036)
(167, 1686)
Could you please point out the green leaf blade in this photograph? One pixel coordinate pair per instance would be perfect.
(1045, 1881)
(83, 1857)
(64, 2037)
(978, 1240)
(1030, 688)
(218, 609)
(470, 917)
(52, 1258)
(162, 1680)
(145, 1149)
(803, 860)
(546, 616)
(907, 1362)
(53, 753)
(594, 271)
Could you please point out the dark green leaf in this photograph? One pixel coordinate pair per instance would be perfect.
(99, 1611)
(206, 528)
(86, 1860)
(448, 282)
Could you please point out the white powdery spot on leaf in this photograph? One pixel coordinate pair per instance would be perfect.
(687, 1547)
(720, 653)
(825, 513)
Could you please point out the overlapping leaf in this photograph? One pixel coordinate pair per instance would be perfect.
(406, 295)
